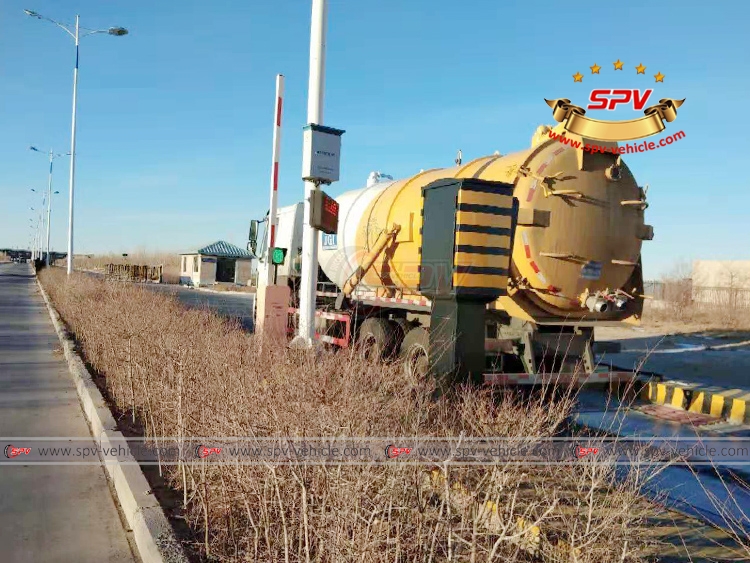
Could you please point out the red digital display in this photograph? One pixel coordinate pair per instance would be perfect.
(324, 212)
(331, 206)
(330, 214)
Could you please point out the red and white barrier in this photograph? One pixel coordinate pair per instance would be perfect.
(344, 341)
(274, 176)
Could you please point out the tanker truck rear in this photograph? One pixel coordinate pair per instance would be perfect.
(575, 262)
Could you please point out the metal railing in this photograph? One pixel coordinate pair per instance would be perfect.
(134, 273)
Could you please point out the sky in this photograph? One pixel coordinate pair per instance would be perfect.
(175, 120)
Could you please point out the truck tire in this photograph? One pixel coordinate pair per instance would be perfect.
(414, 353)
(405, 325)
(375, 338)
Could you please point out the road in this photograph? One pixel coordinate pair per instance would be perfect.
(711, 358)
(47, 513)
(234, 305)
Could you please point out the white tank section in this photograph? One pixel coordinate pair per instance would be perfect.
(338, 254)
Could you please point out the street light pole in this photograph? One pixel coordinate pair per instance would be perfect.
(73, 157)
(116, 31)
(50, 193)
(49, 200)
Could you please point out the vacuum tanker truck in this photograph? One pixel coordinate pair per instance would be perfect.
(575, 262)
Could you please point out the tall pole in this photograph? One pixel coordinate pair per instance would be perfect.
(49, 201)
(72, 158)
(314, 115)
(274, 176)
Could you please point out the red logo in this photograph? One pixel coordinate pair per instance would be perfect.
(205, 451)
(393, 452)
(582, 452)
(12, 451)
(608, 99)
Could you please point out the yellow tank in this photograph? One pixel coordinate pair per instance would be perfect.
(578, 241)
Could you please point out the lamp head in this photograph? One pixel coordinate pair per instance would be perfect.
(32, 14)
(118, 31)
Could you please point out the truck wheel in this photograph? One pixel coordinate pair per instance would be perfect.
(375, 339)
(405, 325)
(414, 353)
(397, 336)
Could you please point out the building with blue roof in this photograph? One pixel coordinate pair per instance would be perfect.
(220, 262)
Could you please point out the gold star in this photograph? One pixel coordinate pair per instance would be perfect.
(578, 77)
(659, 77)
(595, 69)
(618, 64)
(641, 69)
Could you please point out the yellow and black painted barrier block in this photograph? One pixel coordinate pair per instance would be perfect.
(732, 405)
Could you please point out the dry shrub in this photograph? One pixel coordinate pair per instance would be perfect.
(188, 373)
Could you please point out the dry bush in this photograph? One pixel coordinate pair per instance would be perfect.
(188, 373)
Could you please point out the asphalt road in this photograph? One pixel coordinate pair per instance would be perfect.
(711, 358)
(47, 512)
(233, 305)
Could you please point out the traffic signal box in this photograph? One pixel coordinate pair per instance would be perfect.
(468, 228)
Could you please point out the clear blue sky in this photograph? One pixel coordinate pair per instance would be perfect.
(175, 119)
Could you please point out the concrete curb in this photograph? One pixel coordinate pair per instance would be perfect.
(154, 537)
(732, 405)
(227, 292)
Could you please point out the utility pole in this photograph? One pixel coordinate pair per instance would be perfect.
(315, 93)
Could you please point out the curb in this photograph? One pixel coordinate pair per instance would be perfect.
(732, 405)
(154, 538)
(205, 289)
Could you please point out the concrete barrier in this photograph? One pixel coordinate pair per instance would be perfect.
(732, 405)
(153, 535)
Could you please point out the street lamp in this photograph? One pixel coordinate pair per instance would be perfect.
(117, 32)
(52, 157)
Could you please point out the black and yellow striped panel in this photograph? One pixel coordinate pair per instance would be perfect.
(485, 221)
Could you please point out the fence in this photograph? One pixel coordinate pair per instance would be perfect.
(733, 297)
(135, 273)
(654, 289)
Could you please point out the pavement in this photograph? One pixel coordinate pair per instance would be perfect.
(234, 305)
(706, 489)
(47, 513)
(712, 358)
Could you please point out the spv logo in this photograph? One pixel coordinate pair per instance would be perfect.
(608, 99)
(12, 451)
(574, 120)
